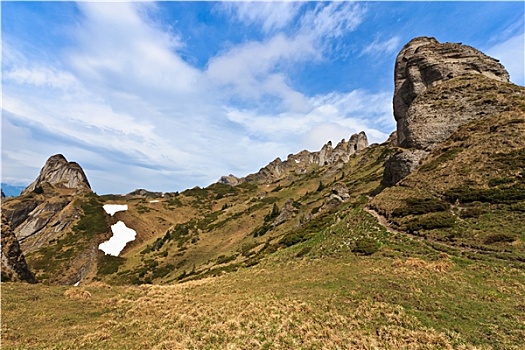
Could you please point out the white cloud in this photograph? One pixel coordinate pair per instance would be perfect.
(332, 20)
(253, 69)
(511, 54)
(270, 16)
(378, 47)
(341, 113)
(133, 113)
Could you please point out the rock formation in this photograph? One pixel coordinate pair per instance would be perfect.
(287, 212)
(44, 208)
(339, 195)
(424, 63)
(299, 163)
(231, 180)
(426, 114)
(14, 266)
(60, 173)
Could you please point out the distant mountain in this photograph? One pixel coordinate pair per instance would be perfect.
(11, 190)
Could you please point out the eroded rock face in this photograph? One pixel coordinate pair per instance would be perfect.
(14, 266)
(287, 212)
(438, 88)
(299, 163)
(58, 172)
(400, 164)
(424, 63)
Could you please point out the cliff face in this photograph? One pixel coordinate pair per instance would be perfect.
(427, 110)
(14, 266)
(60, 173)
(424, 63)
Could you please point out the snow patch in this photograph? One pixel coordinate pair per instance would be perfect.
(297, 161)
(121, 236)
(154, 201)
(111, 209)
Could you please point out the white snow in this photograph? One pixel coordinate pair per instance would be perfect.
(111, 209)
(154, 201)
(297, 161)
(121, 236)
(76, 284)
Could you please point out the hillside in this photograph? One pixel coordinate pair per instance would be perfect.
(416, 243)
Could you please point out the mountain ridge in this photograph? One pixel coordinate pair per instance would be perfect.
(416, 244)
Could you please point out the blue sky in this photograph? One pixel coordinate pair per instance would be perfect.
(171, 95)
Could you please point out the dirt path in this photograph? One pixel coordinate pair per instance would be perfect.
(383, 221)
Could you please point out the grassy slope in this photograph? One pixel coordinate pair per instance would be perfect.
(340, 281)
(406, 295)
(470, 192)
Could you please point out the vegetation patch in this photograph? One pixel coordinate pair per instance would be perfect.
(430, 222)
(366, 246)
(418, 206)
(467, 194)
(109, 264)
(446, 155)
(499, 238)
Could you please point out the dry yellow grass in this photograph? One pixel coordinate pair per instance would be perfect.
(442, 265)
(354, 303)
(77, 293)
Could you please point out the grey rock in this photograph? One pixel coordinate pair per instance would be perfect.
(401, 164)
(424, 62)
(14, 266)
(287, 212)
(229, 180)
(60, 173)
(300, 162)
(437, 87)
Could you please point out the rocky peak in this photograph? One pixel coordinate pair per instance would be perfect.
(437, 90)
(58, 172)
(298, 163)
(424, 62)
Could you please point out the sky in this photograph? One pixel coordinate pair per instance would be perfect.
(170, 95)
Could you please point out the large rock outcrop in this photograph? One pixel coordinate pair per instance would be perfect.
(428, 113)
(14, 266)
(45, 207)
(424, 63)
(60, 173)
(300, 162)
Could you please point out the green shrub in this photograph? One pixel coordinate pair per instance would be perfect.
(261, 230)
(417, 206)
(303, 251)
(499, 238)
(467, 194)
(501, 181)
(438, 220)
(109, 264)
(366, 246)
